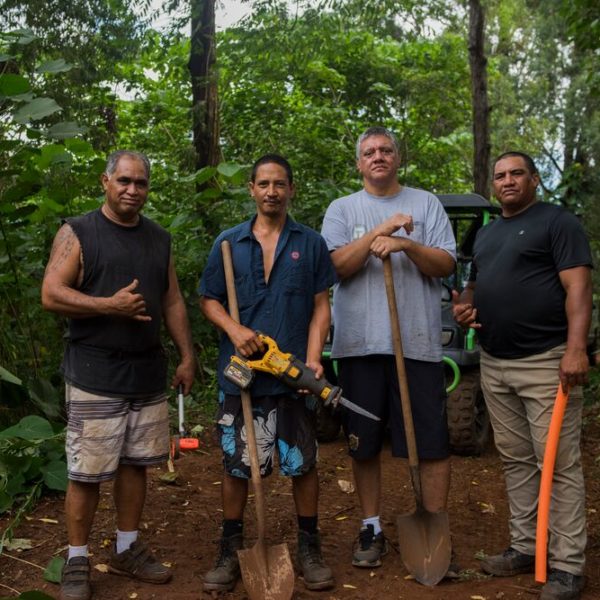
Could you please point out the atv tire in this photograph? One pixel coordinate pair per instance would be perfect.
(468, 419)
(329, 421)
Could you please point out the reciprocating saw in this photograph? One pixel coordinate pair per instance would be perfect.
(287, 368)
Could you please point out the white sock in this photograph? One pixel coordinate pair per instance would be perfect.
(373, 521)
(125, 539)
(77, 551)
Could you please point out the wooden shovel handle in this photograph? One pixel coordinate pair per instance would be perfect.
(234, 312)
(409, 428)
(541, 537)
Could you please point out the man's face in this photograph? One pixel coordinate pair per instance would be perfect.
(378, 160)
(126, 189)
(271, 190)
(514, 185)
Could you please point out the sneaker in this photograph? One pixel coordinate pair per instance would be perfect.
(226, 572)
(562, 586)
(369, 548)
(139, 563)
(317, 575)
(75, 580)
(510, 562)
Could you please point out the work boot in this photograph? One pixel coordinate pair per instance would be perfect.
(369, 548)
(75, 579)
(226, 572)
(317, 575)
(562, 586)
(139, 563)
(510, 562)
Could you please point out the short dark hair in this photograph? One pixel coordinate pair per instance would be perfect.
(377, 130)
(272, 158)
(528, 160)
(115, 157)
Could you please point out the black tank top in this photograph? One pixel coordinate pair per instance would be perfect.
(113, 355)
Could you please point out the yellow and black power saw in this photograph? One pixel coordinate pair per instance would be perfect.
(291, 371)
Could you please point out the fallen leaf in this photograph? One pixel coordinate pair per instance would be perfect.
(18, 544)
(372, 574)
(341, 518)
(53, 570)
(349, 586)
(216, 483)
(44, 520)
(409, 576)
(133, 595)
(474, 483)
(168, 477)
(101, 567)
(167, 564)
(478, 598)
(346, 486)
(105, 543)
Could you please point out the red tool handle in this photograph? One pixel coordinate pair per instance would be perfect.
(541, 538)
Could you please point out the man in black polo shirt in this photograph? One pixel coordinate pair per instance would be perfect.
(530, 299)
(111, 273)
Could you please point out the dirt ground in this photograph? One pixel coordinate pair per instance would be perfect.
(182, 523)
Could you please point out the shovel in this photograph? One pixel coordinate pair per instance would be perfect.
(541, 538)
(424, 537)
(267, 571)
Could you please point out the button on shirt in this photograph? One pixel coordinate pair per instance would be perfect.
(281, 308)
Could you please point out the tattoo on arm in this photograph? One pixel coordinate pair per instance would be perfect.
(61, 248)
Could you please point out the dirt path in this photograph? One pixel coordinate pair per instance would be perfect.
(182, 521)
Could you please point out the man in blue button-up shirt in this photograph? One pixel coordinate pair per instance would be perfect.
(282, 278)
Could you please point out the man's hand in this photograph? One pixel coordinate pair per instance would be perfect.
(464, 314)
(394, 223)
(383, 246)
(245, 340)
(126, 303)
(184, 375)
(573, 368)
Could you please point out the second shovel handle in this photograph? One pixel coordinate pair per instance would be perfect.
(409, 428)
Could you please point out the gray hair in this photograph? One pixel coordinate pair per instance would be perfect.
(115, 157)
(371, 131)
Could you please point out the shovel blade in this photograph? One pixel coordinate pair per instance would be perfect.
(425, 547)
(267, 572)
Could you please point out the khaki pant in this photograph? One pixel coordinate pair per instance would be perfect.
(520, 396)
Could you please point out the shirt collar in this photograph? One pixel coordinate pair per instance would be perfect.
(246, 228)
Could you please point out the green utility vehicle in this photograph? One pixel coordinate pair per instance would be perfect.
(468, 421)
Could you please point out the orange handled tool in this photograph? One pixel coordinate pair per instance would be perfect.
(183, 441)
(541, 538)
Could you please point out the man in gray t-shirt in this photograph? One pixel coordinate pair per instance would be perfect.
(411, 227)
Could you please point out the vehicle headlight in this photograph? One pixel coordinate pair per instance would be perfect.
(447, 335)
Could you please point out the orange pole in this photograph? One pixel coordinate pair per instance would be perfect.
(541, 538)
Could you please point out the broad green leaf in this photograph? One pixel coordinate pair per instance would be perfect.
(37, 109)
(79, 146)
(8, 376)
(16, 484)
(45, 397)
(65, 129)
(180, 219)
(54, 66)
(12, 85)
(19, 544)
(53, 569)
(52, 153)
(22, 36)
(5, 57)
(229, 169)
(55, 475)
(31, 427)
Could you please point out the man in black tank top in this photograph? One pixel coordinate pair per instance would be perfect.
(111, 274)
(530, 299)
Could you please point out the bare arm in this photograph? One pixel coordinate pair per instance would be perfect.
(317, 332)
(243, 338)
(574, 365)
(176, 321)
(62, 275)
(433, 262)
(350, 258)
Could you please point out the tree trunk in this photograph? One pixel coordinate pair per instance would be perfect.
(481, 111)
(205, 118)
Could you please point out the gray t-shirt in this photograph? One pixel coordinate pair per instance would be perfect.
(360, 311)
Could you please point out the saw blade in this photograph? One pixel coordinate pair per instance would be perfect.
(357, 409)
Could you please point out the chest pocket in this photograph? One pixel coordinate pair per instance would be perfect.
(297, 281)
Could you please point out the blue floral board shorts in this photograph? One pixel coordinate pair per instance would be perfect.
(285, 422)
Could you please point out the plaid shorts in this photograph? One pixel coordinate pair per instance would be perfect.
(103, 432)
